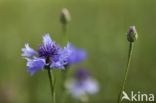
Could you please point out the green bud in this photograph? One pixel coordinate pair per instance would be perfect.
(132, 34)
(65, 16)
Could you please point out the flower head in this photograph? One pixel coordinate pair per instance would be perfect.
(80, 88)
(65, 16)
(44, 57)
(132, 34)
(51, 56)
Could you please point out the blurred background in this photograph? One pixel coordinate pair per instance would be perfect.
(98, 26)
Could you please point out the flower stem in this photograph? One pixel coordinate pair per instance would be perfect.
(64, 32)
(64, 28)
(65, 73)
(52, 84)
(64, 77)
(127, 70)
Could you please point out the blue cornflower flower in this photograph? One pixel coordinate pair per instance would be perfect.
(51, 56)
(44, 57)
(82, 85)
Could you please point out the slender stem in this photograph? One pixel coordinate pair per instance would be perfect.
(65, 73)
(127, 70)
(52, 84)
(64, 28)
(64, 77)
(64, 32)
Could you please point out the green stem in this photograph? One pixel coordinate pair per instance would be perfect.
(52, 84)
(127, 70)
(64, 77)
(64, 28)
(64, 74)
(64, 32)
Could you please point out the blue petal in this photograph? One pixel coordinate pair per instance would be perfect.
(58, 61)
(35, 65)
(49, 48)
(28, 52)
(47, 39)
(75, 55)
(80, 55)
(69, 55)
(57, 65)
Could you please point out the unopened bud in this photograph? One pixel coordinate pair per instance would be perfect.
(65, 16)
(132, 34)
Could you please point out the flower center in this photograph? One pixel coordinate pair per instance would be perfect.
(48, 50)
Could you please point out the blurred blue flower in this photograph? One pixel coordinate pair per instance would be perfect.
(73, 54)
(82, 85)
(82, 74)
(51, 56)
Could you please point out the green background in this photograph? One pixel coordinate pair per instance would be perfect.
(99, 26)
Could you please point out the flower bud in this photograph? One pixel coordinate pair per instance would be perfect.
(132, 34)
(65, 16)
